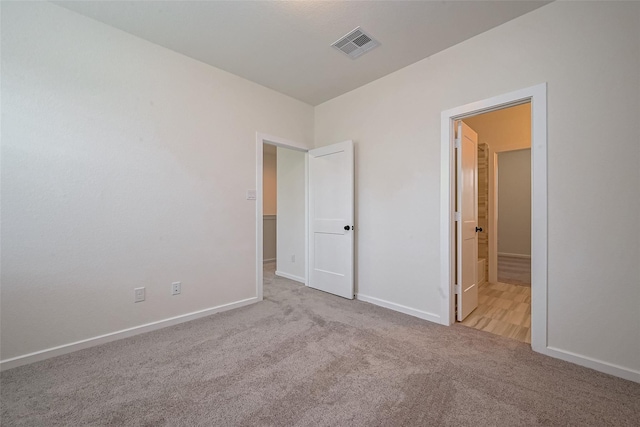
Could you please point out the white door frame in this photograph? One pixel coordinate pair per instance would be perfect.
(537, 95)
(263, 138)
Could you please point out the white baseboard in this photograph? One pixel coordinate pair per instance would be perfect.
(507, 254)
(113, 336)
(401, 308)
(595, 364)
(291, 276)
(267, 261)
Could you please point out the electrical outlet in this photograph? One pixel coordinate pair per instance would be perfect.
(138, 295)
(293, 258)
(176, 288)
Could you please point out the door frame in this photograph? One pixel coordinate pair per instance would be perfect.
(263, 138)
(537, 96)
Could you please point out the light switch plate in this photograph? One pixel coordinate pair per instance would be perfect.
(251, 194)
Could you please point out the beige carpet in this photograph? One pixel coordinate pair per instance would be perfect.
(307, 358)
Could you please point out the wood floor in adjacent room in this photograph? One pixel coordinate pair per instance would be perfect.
(503, 309)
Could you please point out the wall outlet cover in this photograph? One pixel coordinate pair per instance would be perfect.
(176, 288)
(138, 294)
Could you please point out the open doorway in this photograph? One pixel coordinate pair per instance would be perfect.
(269, 204)
(271, 144)
(283, 218)
(503, 263)
(327, 188)
(451, 289)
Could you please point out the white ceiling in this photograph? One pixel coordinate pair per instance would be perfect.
(285, 45)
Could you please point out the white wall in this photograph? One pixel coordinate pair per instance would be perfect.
(269, 238)
(291, 213)
(269, 180)
(505, 129)
(589, 53)
(514, 202)
(124, 164)
(269, 202)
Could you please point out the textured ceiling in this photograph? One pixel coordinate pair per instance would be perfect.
(285, 45)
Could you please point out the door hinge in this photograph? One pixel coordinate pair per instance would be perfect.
(456, 216)
(457, 289)
(457, 142)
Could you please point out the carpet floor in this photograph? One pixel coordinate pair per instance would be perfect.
(305, 358)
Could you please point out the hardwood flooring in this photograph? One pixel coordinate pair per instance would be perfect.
(503, 309)
(514, 270)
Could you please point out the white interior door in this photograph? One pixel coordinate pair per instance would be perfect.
(331, 219)
(466, 219)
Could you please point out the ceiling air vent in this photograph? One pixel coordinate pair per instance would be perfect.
(355, 43)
